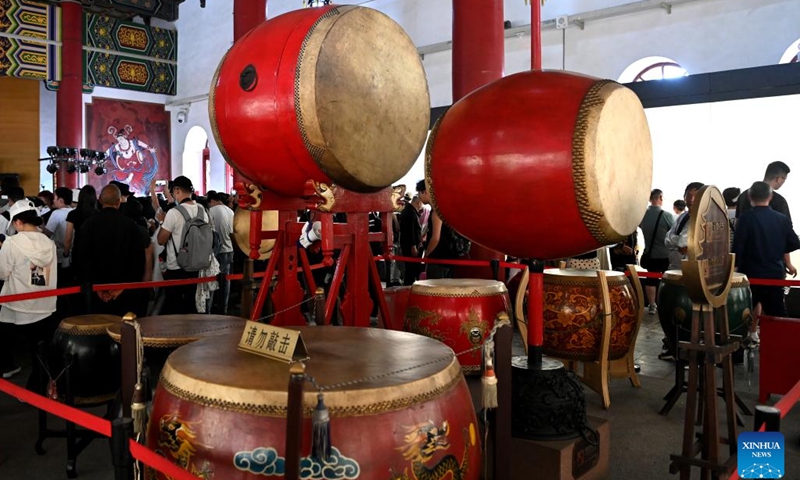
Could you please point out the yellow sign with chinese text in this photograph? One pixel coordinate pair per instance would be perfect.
(278, 343)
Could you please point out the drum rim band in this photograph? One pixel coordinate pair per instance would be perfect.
(175, 341)
(560, 280)
(347, 403)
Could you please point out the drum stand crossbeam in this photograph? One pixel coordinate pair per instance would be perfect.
(701, 400)
(352, 239)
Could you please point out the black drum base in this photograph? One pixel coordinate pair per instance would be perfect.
(548, 401)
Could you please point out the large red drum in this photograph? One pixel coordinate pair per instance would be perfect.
(573, 314)
(566, 160)
(334, 94)
(457, 312)
(221, 413)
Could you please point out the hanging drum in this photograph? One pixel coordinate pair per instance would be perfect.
(334, 94)
(95, 369)
(573, 314)
(221, 413)
(561, 163)
(457, 312)
(241, 231)
(675, 307)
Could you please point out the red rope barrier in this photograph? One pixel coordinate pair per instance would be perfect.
(162, 283)
(78, 417)
(154, 460)
(41, 294)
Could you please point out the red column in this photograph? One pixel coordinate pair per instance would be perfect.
(478, 44)
(536, 35)
(69, 99)
(247, 14)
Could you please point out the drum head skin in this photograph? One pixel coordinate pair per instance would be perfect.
(459, 287)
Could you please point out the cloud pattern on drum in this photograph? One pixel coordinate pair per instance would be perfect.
(267, 462)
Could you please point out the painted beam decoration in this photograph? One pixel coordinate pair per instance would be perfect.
(28, 30)
(130, 56)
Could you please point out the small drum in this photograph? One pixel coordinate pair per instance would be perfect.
(95, 370)
(221, 413)
(162, 334)
(241, 231)
(573, 314)
(578, 146)
(675, 306)
(457, 312)
(334, 94)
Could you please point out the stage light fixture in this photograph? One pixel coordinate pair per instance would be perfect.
(100, 170)
(83, 168)
(71, 168)
(52, 168)
(52, 151)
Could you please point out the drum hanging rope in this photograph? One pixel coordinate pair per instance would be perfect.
(52, 388)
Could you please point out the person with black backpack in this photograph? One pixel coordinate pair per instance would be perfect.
(443, 242)
(188, 237)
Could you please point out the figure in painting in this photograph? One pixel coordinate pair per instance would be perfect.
(134, 162)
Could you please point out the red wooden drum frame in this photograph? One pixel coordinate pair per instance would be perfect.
(573, 314)
(457, 312)
(335, 94)
(221, 412)
(566, 160)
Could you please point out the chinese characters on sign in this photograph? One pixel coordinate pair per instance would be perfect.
(274, 342)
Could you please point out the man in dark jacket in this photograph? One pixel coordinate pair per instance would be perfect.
(411, 239)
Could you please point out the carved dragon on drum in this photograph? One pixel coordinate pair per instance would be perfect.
(422, 441)
(177, 437)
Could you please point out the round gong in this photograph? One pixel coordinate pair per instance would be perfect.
(241, 231)
(222, 411)
(566, 160)
(334, 94)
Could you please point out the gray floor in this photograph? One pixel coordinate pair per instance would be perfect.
(641, 439)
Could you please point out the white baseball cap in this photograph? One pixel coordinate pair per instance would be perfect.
(21, 206)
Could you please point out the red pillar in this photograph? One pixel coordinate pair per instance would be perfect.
(478, 44)
(247, 14)
(69, 99)
(478, 57)
(536, 35)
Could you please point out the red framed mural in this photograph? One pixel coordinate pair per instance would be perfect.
(136, 139)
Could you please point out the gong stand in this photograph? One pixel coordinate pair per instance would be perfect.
(702, 394)
(355, 261)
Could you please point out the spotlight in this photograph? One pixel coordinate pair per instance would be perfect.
(101, 156)
(52, 151)
(85, 152)
(83, 168)
(71, 168)
(52, 168)
(100, 170)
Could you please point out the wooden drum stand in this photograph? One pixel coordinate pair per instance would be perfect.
(352, 239)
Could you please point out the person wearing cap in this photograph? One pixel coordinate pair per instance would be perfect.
(28, 263)
(14, 195)
(179, 299)
(222, 220)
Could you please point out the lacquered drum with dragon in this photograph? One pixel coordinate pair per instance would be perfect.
(399, 407)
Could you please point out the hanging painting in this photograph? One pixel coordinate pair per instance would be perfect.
(136, 139)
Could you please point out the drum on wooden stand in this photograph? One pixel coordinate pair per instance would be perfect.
(95, 368)
(573, 314)
(313, 94)
(221, 412)
(675, 307)
(457, 312)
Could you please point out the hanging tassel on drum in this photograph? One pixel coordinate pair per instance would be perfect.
(489, 380)
(321, 433)
(138, 410)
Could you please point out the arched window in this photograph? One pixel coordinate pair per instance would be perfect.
(194, 161)
(792, 54)
(316, 3)
(652, 68)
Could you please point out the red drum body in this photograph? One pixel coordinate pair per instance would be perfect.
(566, 160)
(333, 94)
(457, 312)
(573, 314)
(220, 412)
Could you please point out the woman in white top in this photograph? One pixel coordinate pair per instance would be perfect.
(28, 263)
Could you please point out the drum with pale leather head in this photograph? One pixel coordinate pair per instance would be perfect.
(332, 94)
(573, 314)
(95, 368)
(458, 312)
(397, 401)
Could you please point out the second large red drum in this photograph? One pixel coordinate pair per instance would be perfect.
(561, 163)
(333, 94)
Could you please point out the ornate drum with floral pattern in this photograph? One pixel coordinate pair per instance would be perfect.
(457, 312)
(573, 314)
(221, 413)
(675, 306)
